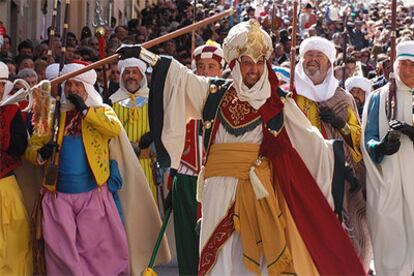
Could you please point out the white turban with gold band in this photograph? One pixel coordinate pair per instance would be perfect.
(248, 39)
(88, 79)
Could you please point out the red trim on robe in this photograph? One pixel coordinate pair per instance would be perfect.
(221, 233)
(314, 218)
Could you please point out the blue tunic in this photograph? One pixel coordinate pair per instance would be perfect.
(75, 175)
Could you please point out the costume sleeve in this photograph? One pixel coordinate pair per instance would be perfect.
(35, 143)
(372, 129)
(176, 96)
(104, 120)
(18, 136)
(316, 152)
(355, 127)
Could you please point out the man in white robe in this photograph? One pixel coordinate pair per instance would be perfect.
(389, 155)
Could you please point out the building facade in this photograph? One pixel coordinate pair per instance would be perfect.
(29, 19)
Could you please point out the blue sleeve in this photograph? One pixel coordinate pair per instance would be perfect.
(372, 129)
(114, 184)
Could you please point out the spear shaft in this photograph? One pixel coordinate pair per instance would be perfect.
(344, 48)
(51, 173)
(147, 45)
(392, 97)
(52, 33)
(293, 45)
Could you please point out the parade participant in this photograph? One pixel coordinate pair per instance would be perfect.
(16, 257)
(130, 103)
(82, 225)
(254, 137)
(390, 175)
(209, 63)
(359, 88)
(333, 111)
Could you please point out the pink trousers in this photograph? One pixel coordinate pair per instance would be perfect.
(84, 234)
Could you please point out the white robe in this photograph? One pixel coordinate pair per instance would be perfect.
(184, 89)
(390, 194)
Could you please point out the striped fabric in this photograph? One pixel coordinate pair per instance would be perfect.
(135, 129)
(209, 51)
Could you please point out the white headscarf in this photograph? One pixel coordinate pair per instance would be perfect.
(122, 92)
(359, 82)
(52, 71)
(88, 79)
(303, 84)
(405, 51)
(248, 38)
(255, 96)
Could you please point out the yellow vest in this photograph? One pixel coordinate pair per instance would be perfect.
(99, 125)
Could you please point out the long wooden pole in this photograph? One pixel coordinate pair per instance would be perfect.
(193, 32)
(344, 48)
(52, 33)
(392, 96)
(293, 46)
(146, 45)
(52, 169)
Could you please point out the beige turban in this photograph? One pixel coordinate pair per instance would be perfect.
(247, 39)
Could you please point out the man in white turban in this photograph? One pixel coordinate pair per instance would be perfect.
(82, 214)
(16, 257)
(255, 137)
(130, 103)
(333, 111)
(359, 88)
(388, 137)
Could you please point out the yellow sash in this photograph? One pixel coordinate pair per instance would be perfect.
(260, 223)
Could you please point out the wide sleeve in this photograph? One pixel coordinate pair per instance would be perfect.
(316, 152)
(355, 129)
(35, 143)
(176, 96)
(371, 138)
(104, 120)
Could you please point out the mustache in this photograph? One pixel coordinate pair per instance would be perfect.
(313, 63)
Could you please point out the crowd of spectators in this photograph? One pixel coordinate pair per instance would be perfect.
(367, 34)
